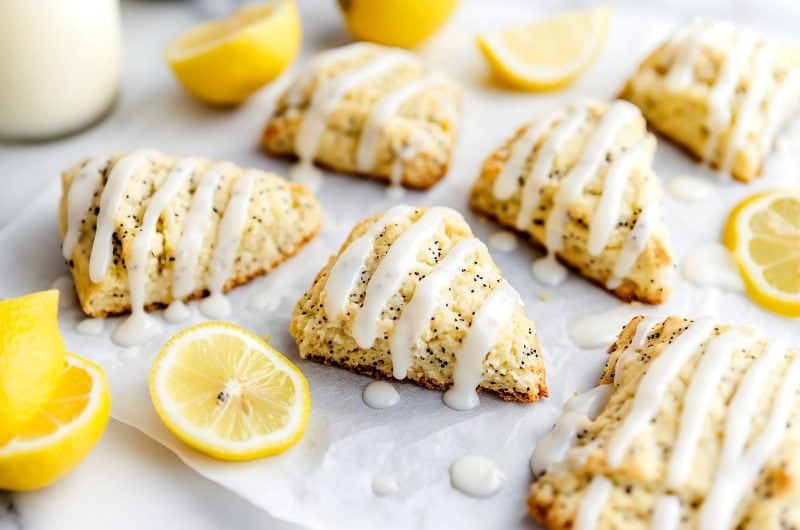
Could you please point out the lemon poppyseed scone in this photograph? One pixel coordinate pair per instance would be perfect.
(720, 92)
(369, 110)
(143, 229)
(412, 294)
(694, 425)
(579, 182)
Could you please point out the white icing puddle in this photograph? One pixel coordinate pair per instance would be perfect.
(712, 265)
(689, 188)
(503, 241)
(380, 395)
(66, 292)
(137, 328)
(549, 271)
(476, 475)
(177, 311)
(90, 326)
(307, 174)
(215, 306)
(383, 485)
(601, 329)
(395, 191)
(130, 354)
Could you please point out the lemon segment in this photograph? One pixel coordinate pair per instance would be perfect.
(764, 233)
(62, 432)
(225, 392)
(403, 23)
(548, 54)
(224, 61)
(31, 357)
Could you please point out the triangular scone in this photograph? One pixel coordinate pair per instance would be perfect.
(143, 229)
(694, 425)
(722, 93)
(579, 181)
(370, 110)
(413, 294)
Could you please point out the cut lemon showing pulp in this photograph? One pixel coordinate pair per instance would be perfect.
(226, 392)
(31, 357)
(62, 433)
(764, 234)
(224, 61)
(548, 54)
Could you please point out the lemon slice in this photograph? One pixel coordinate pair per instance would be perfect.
(224, 391)
(63, 431)
(31, 357)
(224, 61)
(403, 23)
(764, 234)
(548, 54)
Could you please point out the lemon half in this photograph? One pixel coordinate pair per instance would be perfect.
(403, 23)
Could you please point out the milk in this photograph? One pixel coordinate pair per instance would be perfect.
(59, 65)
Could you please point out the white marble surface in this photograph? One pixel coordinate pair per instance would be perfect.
(130, 481)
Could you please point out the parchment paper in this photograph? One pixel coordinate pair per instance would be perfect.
(324, 481)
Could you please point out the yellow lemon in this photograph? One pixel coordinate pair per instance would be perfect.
(548, 54)
(224, 391)
(224, 61)
(31, 357)
(403, 23)
(63, 431)
(763, 232)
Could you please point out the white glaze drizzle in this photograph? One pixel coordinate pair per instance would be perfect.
(643, 329)
(351, 264)
(606, 215)
(329, 95)
(383, 485)
(779, 106)
(635, 243)
(735, 476)
(110, 200)
(386, 108)
(392, 271)
(596, 330)
(380, 395)
(578, 411)
(507, 182)
(540, 171)
(712, 264)
(321, 62)
(229, 237)
(591, 505)
(487, 324)
(503, 241)
(660, 373)
(666, 513)
(416, 316)
(476, 475)
(682, 71)
(697, 403)
(195, 226)
(79, 199)
(764, 61)
(139, 327)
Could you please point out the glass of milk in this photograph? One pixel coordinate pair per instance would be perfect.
(59, 65)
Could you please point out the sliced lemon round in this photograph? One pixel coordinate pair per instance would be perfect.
(224, 61)
(548, 54)
(763, 232)
(63, 431)
(31, 357)
(226, 392)
(403, 23)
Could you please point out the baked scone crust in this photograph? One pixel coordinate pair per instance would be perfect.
(641, 479)
(675, 88)
(648, 280)
(419, 137)
(513, 368)
(281, 218)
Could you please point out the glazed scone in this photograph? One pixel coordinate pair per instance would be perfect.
(695, 424)
(413, 294)
(579, 182)
(722, 93)
(369, 110)
(143, 229)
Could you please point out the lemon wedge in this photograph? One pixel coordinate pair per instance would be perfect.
(548, 54)
(763, 232)
(62, 432)
(225, 392)
(224, 61)
(404, 23)
(31, 357)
